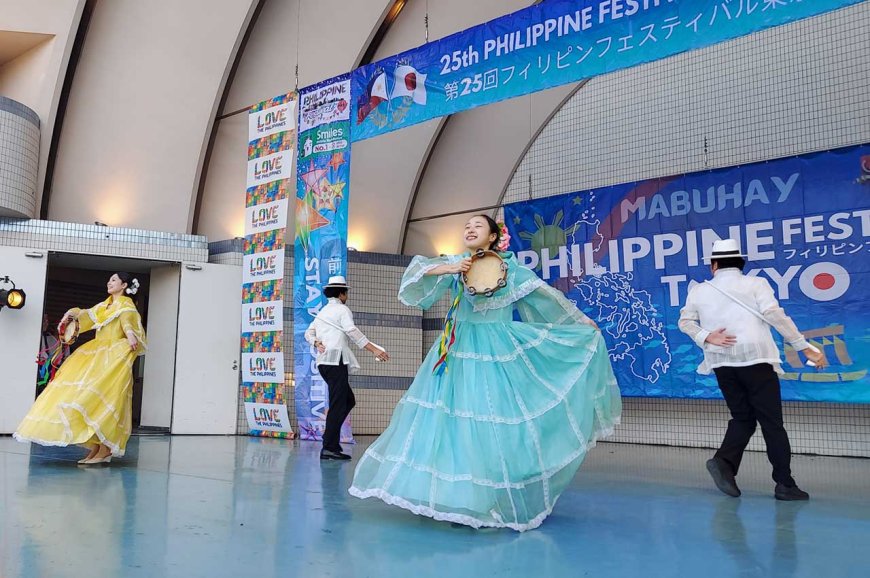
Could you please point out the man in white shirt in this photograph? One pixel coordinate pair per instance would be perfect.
(330, 333)
(730, 319)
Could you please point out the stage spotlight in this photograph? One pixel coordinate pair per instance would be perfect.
(13, 298)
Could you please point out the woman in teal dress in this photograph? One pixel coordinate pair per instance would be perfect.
(493, 435)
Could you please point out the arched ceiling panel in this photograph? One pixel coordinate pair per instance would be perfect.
(143, 98)
(332, 34)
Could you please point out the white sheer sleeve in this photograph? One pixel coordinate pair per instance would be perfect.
(545, 304)
(776, 317)
(350, 329)
(689, 322)
(421, 290)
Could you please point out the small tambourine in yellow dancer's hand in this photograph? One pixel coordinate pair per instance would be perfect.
(487, 275)
(68, 331)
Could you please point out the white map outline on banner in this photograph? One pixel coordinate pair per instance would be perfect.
(636, 321)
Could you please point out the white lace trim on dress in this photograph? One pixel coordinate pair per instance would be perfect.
(514, 295)
(465, 519)
(543, 335)
(507, 420)
(116, 449)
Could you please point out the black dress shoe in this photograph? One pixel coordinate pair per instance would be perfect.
(790, 493)
(723, 478)
(330, 455)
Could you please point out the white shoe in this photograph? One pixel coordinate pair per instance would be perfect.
(104, 460)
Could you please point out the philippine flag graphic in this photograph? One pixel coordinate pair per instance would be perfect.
(409, 82)
(374, 95)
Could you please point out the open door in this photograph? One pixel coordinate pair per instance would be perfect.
(20, 331)
(206, 389)
(162, 334)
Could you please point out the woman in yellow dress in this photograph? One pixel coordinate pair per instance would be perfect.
(89, 401)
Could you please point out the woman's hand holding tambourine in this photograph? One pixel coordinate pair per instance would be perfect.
(462, 266)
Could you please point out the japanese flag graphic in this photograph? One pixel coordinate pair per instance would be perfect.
(411, 83)
(824, 281)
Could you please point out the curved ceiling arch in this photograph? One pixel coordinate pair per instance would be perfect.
(270, 65)
(463, 147)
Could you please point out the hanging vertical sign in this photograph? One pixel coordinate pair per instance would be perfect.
(320, 249)
(271, 146)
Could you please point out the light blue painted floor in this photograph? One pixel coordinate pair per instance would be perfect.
(244, 507)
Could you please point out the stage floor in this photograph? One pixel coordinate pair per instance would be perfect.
(251, 508)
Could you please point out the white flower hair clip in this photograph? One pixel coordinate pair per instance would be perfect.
(133, 288)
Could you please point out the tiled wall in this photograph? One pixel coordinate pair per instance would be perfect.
(785, 91)
(19, 159)
(97, 240)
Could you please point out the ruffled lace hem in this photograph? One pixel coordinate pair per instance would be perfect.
(463, 519)
(471, 521)
(585, 446)
(117, 451)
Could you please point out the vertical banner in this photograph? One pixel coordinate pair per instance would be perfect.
(271, 146)
(322, 181)
(628, 255)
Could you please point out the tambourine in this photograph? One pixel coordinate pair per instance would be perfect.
(69, 331)
(488, 274)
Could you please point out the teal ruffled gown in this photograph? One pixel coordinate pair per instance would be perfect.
(495, 439)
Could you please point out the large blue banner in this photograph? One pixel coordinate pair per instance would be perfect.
(320, 248)
(550, 44)
(627, 255)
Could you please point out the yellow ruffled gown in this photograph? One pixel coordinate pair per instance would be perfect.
(90, 398)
